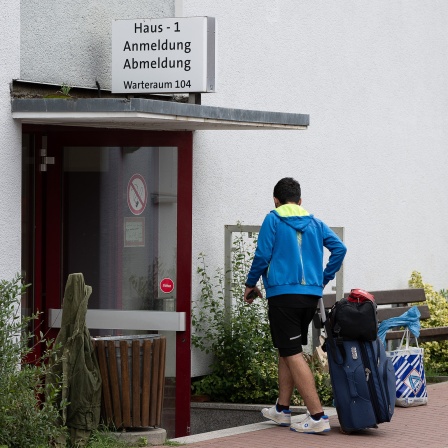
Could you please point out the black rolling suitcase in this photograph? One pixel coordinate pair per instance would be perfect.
(362, 379)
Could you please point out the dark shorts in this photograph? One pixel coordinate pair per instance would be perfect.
(289, 326)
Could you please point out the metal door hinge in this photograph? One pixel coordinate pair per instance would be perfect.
(44, 159)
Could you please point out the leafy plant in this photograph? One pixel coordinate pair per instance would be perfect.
(26, 419)
(65, 90)
(142, 441)
(244, 361)
(435, 353)
(102, 438)
(444, 293)
(146, 287)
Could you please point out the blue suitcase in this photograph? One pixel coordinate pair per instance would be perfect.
(363, 382)
(362, 379)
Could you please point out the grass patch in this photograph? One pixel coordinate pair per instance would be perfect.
(104, 438)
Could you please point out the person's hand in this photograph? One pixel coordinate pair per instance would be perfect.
(251, 293)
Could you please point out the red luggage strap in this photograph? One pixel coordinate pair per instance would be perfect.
(360, 295)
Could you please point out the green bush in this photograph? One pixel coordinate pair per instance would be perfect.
(244, 362)
(436, 353)
(102, 438)
(26, 420)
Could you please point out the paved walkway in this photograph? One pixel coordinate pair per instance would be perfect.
(422, 426)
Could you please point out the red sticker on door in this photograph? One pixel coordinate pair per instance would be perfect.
(166, 285)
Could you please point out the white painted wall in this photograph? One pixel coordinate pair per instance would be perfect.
(69, 42)
(374, 78)
(10, 145)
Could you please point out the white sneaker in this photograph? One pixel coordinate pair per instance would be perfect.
(310, 426)
(282, 418)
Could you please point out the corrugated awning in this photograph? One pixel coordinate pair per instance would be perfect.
(148, 114)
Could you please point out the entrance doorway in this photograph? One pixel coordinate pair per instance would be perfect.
(115, 206)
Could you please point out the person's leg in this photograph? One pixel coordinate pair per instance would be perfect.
(289, 330)
(303, 378)
(285, 383)
(285, 380)
(316, 421)
(280, 413)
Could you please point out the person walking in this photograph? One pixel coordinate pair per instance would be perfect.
(289, 258)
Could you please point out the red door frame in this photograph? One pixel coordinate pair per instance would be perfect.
(59, 136)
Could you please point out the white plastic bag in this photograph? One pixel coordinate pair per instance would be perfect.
(409, 373)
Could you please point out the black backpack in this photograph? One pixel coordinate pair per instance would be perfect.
(355, 317)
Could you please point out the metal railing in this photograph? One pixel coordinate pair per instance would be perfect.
(229, 230)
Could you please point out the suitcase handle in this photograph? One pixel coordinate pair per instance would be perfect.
(331, 344)
(352, 384)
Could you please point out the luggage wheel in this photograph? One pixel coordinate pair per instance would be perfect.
(348, 431)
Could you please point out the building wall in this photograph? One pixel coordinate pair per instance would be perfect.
(69, 42)
(10, 145)
(372, 76)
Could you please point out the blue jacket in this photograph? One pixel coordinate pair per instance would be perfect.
(290, 252)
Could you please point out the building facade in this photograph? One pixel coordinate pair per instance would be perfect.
(349, 98)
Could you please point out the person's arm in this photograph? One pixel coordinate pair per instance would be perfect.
(337, 253)
(263, 253)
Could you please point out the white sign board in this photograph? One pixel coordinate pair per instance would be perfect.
(170, 55)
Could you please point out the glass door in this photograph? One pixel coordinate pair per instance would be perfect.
(120, 224)
(113, 201)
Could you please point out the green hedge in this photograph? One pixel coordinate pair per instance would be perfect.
(26, 419)
(244, 361)
(435, 353)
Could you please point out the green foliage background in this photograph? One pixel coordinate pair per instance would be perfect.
(435, 353)
(244, 366)
(29, 408)
(25, 419)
